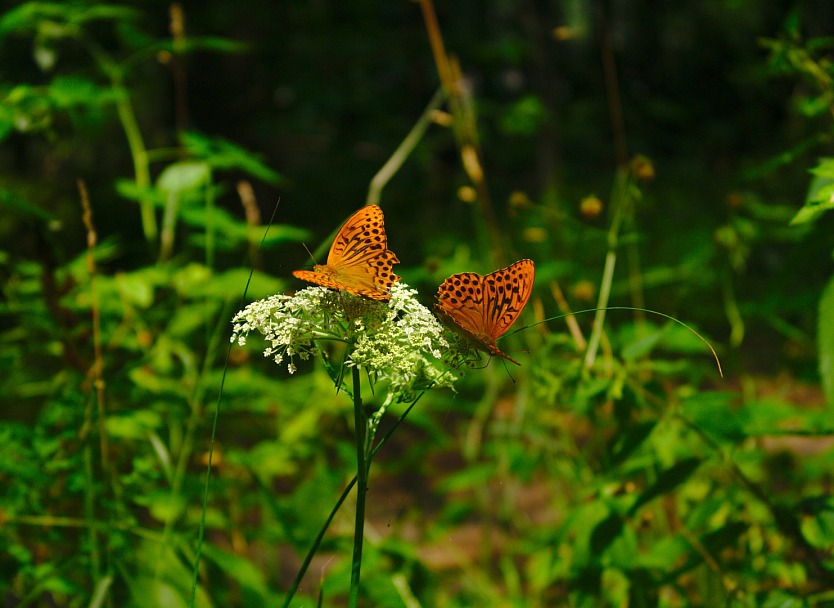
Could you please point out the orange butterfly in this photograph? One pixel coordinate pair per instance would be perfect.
(483, 308)
(359, 261)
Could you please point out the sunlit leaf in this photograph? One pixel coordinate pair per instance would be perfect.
(182, 176)
(222, 154)
(825, 341)
(820, 196)
(817, 522)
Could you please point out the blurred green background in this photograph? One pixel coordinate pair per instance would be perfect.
(672, 155)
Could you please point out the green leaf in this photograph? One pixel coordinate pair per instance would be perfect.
(606, 532)
(223, 154)
(667, 481)
(188, 318)
(820, 196)
(713, 414)
(19, 203)
(159, 579)
(72, 91)
(817, 522)
(131, 191)
(162, 505)
(470, 477)
(636, 349)
(251, 580)
(825, 340)
(60, 19)
(100, 592)
(133, 424)
(630, 440)
(667, 550)
(136, 288)
(525, 117)
(215, 43)
(782, 599)
(25, 17)
(184, 176)
(150, 592)
(232, 282)
(714, 542)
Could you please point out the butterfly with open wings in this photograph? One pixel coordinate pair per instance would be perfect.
(482, 308)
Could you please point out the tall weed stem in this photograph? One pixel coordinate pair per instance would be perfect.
(620, 201)
(363, 465)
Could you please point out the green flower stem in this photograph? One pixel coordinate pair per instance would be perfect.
(619, 202)
(363, 465)
(315, 546)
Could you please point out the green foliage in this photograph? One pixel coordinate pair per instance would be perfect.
(614, 468)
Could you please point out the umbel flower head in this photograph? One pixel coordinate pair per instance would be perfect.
(399, 341)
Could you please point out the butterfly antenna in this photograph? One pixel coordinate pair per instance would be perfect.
(507, 369)
(310, 253)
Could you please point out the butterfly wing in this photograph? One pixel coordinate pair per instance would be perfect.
(506, 294)
(484, 308)
(359, 261)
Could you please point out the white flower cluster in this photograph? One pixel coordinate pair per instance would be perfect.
(403, 343)
(399, 342)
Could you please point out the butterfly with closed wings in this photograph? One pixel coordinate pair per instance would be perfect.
(482, 308)
(359, 261)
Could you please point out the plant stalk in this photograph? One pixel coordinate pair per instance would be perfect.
(362, 468)
(619, 200)
(407, 145)
(312, 551)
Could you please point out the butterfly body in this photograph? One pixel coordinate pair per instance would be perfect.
(359, 261)
(482, 308)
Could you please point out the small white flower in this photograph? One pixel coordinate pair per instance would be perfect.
(399, 342)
